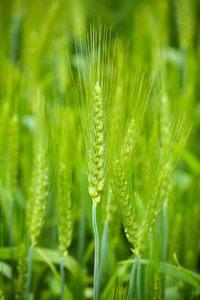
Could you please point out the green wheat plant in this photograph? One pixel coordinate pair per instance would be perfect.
(64, 192)
(38, 210)
(94, 95)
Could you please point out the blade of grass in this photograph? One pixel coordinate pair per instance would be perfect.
(170, 270)
(191, 276)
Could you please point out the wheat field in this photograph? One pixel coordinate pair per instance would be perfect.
(99, 150)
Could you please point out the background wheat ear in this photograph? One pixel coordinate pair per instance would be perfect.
(65, 209)
(41, 196)
(39, 210)
(65, 216)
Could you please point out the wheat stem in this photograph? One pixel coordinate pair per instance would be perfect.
(96, 254)
(132, 278)
(29, 271)
(62, 274)
(103, 249)
(11, 226)
(11, 234)
(165, 232)
(81, 238)
(138, 277)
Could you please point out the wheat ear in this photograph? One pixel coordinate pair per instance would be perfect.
(38, 211)
(96, 172)
(64, 217)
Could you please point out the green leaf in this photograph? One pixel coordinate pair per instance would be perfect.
(192, 277)
(54, 256)
(5, 269)
(187, 276)
(192, 161)
(49, 257)
(68, 294)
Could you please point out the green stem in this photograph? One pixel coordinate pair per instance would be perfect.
(138, 278)
(29, 272)
(96, 254)
(81, 238)
(165, 232)
(132, 277)
(103, 250)
(11, 235)
(11, 224)
(165, 244)
(62, 274)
